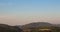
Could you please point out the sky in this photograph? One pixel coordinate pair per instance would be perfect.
(20, 12)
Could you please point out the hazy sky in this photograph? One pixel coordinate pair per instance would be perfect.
(17, 12)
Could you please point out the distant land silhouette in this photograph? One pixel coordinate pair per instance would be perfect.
(30, 27)
(8, 28)
(39, 24)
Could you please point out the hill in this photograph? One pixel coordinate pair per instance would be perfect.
(37, 24)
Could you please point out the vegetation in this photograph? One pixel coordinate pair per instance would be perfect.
(32, 27)
(7, 28)
(41, 27)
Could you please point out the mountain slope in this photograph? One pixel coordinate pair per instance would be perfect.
(37, 24)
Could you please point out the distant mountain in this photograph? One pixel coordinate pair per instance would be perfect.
(37, 24)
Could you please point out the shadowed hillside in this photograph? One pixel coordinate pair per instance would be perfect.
(39, 26)
(8, 28)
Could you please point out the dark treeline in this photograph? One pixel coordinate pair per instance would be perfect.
(8, 28)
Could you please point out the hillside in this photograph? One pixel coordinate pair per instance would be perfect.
(37, 24)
